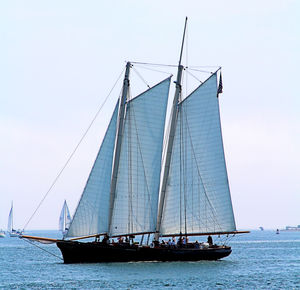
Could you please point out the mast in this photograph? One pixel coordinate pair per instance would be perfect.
(174, 114)
(119, 136)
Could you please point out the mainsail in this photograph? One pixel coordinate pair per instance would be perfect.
(137, 187)
(91, 216)
(197, 192)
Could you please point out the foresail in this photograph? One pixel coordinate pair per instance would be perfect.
(135, 205)
(91, 216)
(197, 194)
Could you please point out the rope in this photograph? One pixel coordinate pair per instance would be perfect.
(155, 64)
(151, 69)
(32, 243)
(204, 71)
(73, 152)
(193, 76)
(140, 76)
(208, 66)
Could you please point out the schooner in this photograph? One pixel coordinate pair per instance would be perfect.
(132, 191)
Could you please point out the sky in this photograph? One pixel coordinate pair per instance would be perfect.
(60, 59)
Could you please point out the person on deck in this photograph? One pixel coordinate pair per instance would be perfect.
(179, 242)
(105, 239)
(210, 240)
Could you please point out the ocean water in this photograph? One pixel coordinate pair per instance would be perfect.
(260, 260)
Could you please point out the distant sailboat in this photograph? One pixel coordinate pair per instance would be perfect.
(64, 219)
(10, 225)
(133, 191)
(2, 234)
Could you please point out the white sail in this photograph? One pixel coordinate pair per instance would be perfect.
(10, 220)
(91, 216)
(64, 218)
(197, 193)
(136, 197)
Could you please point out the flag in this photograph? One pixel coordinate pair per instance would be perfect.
(220, 88)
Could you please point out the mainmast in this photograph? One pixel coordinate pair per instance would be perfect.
(119, 136)
(170, 139)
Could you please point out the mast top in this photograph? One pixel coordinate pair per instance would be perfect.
(182, 44)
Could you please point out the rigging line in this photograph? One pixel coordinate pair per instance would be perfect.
(180, 168)
(155, 64)
(199, 70)
(151, 69)
(194, 66)
(129, 164)
(185, 177)
(193, 76)
(198, 171)
(140, 76)
(229, 238)
(32, 243)
(73, 152)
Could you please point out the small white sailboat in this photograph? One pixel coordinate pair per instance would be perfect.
(64, 219)
(2, 234)
(10, 228)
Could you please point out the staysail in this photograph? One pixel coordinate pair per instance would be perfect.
(197, 193)
(91, 216)
(137, 187)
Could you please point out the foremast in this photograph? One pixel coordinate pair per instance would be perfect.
(119, 136)
(173, 119)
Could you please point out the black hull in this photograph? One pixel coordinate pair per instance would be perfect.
(77, 252)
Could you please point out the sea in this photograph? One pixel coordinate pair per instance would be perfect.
(259, 260)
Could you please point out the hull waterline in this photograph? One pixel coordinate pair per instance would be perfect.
(78, 252)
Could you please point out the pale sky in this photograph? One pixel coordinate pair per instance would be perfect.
(59, 60)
